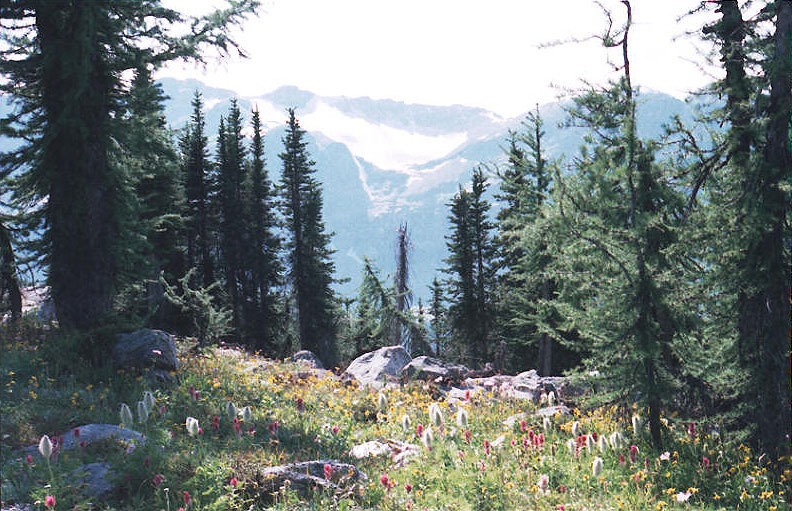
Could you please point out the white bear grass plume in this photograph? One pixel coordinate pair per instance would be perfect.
(427, 438)
(636, 424)
(596, 467)
(247, 415)
(149, 401)
(602, 445)
(126, 416)
(547, 424)
(575, 428)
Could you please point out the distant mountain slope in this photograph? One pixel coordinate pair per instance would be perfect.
(384, 162)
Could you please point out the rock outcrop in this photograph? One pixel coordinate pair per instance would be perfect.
(375, 367)
(433, 369)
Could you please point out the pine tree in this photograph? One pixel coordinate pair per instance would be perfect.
(743, 226)
(484, 274)
(311, 269)
(438, 312)
(375, 313)
(68, 58)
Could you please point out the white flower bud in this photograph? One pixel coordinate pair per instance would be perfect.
(142, 412)
(126, 415)
(45, 446)
(550, 398)
(427, 438)
(192, 426)
(149, 401)
(405, 421)
(382, 402)
(231, 411)
(247, 415)
(435, 415)
(636, 424)
(596, 467)
(575, 428)
(547, 424)
(462, 418)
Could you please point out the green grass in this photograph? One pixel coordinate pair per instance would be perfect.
(45, 390)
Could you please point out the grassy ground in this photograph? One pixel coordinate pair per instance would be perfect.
(44, 391)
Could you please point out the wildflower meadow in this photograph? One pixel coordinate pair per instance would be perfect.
(207, 440)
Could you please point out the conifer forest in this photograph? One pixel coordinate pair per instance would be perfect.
(646, 280)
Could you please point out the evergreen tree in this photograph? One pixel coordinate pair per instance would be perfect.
(375, 313)
(439, 321)
(155, 171)
(311, 269)
(195, 167)
(266, 268)
(620, 212)
(68, 58)
(742, 226)
(471, 269)
(231, 177)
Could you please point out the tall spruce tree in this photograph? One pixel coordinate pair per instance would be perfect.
(68, 58)
(195, 168)
(311, 268)
(471, 271)
(231, 177)
(266, 269)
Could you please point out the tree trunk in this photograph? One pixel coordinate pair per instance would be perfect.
(81, 211)
(8, 274)
(764, 324)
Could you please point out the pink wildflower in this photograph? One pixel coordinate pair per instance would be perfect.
(157, 480)
(29, 459)
(705, 462)
(233, 482)
(300, 405)
(328, 471)
(187, 498)
(633, 453)
(76, 432)
(49, 501)
(407, 487)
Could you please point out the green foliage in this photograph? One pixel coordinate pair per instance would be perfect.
(211, 321)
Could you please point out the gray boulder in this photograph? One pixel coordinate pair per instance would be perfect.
(399, 452)
(91, 433)
(308, 358)
(153, 350)
(304, 476)
(430, 369)
(374, 367)
(93, 479)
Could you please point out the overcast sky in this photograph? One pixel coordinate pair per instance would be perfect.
(442, 52)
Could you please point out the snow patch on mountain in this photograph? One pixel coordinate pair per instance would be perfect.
(384, 146)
